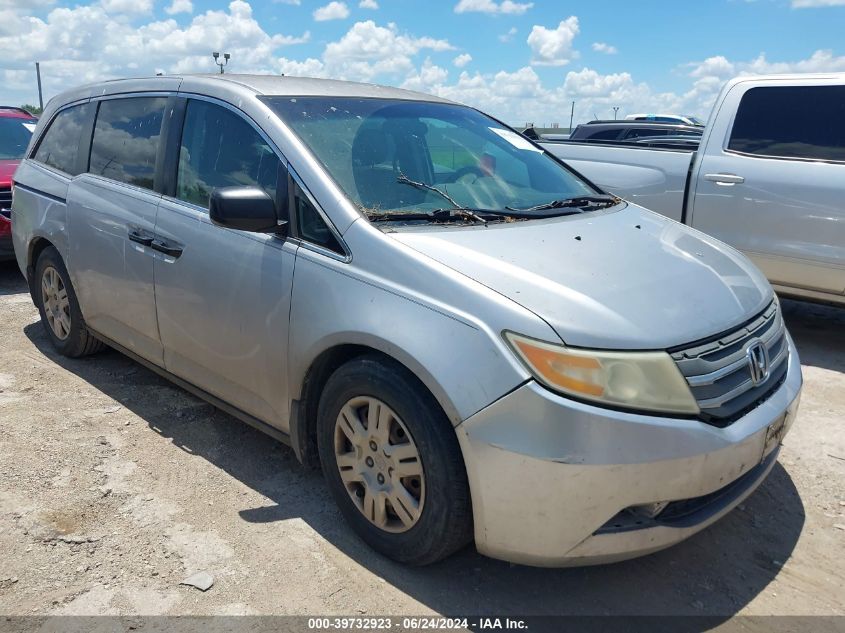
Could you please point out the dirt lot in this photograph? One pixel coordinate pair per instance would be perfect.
(115, 486)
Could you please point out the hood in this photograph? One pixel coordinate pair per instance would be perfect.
(618, 279)
(7, 170)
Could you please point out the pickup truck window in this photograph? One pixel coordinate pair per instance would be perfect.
(403, 156)
(220, 149)
(803, 122)
(59, 146)
(126, 139)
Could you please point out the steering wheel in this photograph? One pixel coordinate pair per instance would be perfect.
(469, 174)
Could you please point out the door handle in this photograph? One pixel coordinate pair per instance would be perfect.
(725, 179)
(140, 237)
(161, 246)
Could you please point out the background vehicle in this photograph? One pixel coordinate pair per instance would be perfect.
(768, 178)
(417, 297)
(16, 126)
(630, 131)
(666, 118)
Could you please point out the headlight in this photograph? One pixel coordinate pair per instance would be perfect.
(637, 380)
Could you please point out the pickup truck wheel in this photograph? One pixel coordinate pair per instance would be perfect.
(59, 308)
(392, 462)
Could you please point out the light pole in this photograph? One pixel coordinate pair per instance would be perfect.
(615, 110)
(38, 77)
(225, 61)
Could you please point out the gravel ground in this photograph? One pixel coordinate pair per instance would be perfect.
(115, 486)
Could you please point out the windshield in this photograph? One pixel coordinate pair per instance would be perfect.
(14, 137)
(393, 156)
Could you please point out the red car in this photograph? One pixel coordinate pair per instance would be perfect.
(16, 126)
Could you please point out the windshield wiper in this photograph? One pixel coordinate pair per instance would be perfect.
(436, 215)
(579, 202)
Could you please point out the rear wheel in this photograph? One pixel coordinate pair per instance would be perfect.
(392, 461)
(59, 308)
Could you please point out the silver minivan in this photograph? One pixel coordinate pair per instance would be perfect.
(471, 339)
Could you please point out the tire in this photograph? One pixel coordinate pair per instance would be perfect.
(59, 308)
(441, 522)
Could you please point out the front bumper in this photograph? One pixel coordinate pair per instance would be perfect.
(549, 476)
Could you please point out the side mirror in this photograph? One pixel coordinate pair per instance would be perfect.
(246, 209)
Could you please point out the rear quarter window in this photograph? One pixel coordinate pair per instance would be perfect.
(59, 147)
(802, 122)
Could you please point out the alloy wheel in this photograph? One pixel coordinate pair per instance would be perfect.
(55, 300)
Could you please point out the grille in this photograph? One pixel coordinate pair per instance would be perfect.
(718, 372)
(5, 198)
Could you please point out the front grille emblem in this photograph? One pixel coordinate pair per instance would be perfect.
(758, 362)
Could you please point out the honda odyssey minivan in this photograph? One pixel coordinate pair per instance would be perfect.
(473, 341)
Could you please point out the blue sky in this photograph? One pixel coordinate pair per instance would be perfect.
(520, 60)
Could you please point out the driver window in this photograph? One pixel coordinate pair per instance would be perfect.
(220, 149)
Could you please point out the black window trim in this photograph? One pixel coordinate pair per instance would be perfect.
(729, 134)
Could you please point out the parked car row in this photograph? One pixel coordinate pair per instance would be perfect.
(768, 178)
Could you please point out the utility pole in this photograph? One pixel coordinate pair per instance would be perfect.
(225, 61)
(40, 95)
(571, 116)
(615, 110)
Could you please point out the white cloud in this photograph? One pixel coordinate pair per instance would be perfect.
(367, 51)
(812, 4)
(462, 60)
(368, 4)
(429, 77)
(127, 6)
(553, 47)
(90, 43)
(492, 8)
(180, 6)
(507, 37)
(332, 11)
(601, 47)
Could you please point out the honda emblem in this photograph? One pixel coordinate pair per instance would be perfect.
(758, 362)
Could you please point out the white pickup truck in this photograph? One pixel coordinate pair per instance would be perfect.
(768, 178)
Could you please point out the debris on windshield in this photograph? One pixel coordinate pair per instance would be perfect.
(402, 178)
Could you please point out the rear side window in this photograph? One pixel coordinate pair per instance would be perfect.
(59, 147)
(126, 139)
(791, 122)
(220, 149)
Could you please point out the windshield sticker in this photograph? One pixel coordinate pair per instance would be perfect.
(515, 139)
(29, 126)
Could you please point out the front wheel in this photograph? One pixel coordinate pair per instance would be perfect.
(392, 462)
